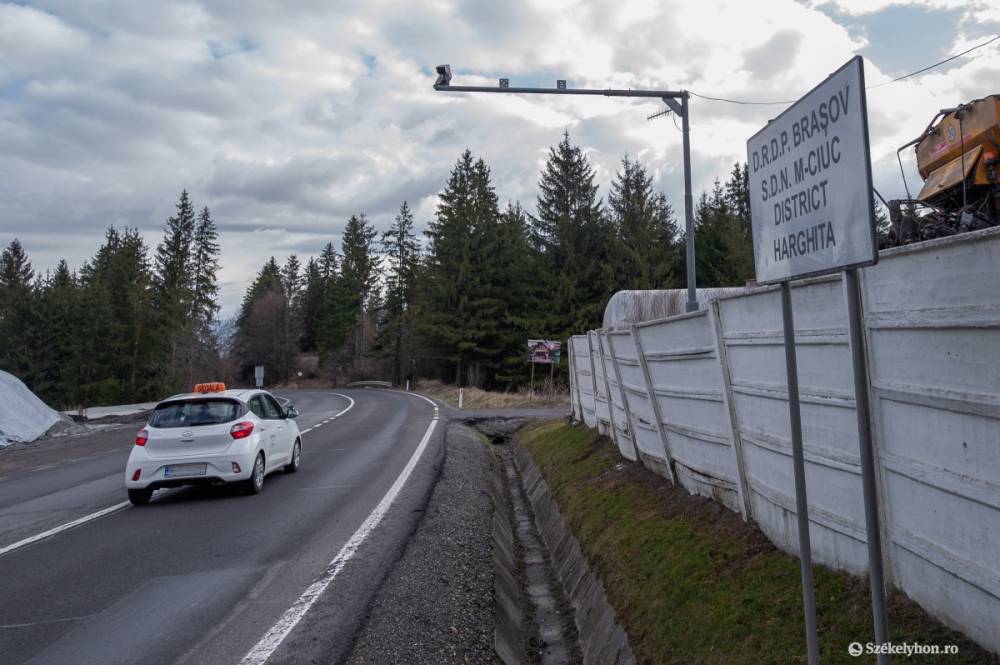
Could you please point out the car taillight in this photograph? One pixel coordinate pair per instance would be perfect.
(135, 476)
(141, 437)
(241, 430)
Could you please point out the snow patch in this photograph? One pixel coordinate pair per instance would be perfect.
(98, 412)
(23, 417)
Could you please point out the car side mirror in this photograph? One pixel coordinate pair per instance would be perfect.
(291, 411)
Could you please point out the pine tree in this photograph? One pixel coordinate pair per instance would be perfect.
(57, 338)
(174, 289)
(291, 282)
(16, 311)
(575, 239)
(205, 267)
(400, 247)
(723, 247)
(354, 293)
(203, 352)
(121, 323)
(328, 265)
(313, 296)
(645, 228)
(261, 326)
(445, 324)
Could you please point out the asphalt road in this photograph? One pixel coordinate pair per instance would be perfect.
(200, 575)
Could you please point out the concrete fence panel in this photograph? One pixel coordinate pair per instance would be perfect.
(602, 405)
(642, 416)
(619, 405)
(687, 384)
(702, 399)
(753, 335)
(933, 322)
(583, 378)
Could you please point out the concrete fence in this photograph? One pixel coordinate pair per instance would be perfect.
(701, 399)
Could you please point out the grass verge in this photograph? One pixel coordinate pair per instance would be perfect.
(692, 583)
(483, 399)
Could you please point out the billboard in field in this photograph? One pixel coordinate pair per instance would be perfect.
(544, 351)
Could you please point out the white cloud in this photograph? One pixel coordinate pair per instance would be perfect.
(286, 118)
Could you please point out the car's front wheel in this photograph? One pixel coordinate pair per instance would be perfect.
(256, 482)
(140, 497)
(293, 465)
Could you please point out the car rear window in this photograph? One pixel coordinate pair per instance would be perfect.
(192, 413)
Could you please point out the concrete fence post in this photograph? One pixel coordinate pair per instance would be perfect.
(593, 379)
(576, 405)
(657, 416)
(874, 415)
(722, 356)
(607, 392)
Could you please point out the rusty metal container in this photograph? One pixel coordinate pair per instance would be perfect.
(980, 125)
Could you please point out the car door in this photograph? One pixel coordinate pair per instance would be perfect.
(267, 432)
(284, 437)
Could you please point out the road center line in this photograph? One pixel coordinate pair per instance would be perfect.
(119, 506)
(277, 634)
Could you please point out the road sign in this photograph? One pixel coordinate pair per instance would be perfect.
(258, 375)
(811, 183)
(543, 351)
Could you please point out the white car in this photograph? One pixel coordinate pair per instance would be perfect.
(213, 436)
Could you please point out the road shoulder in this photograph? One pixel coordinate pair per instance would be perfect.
(436, 606)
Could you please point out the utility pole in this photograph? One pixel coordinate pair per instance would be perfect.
(676, 100)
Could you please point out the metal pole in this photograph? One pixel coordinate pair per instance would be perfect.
(692, 301)
(868, 488)
(798, 464)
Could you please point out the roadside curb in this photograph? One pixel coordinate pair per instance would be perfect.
(602, 640)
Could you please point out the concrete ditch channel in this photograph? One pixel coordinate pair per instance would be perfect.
(549, 606)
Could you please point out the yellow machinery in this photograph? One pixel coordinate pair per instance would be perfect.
(958, 156)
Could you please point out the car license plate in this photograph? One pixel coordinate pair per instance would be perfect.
(180, 470)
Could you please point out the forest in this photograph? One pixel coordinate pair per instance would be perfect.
(456, 302)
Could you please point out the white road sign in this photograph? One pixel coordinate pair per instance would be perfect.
(811, 183)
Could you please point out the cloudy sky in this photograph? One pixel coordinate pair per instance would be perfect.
(286, 118)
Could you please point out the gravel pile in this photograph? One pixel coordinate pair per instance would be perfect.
(436, 606)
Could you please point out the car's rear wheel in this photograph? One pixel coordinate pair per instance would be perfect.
(293, 466)
(256, 482)
(140, 497)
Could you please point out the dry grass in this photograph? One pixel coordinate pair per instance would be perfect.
(482, 399)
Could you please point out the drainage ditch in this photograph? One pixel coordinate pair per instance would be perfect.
(549, 605)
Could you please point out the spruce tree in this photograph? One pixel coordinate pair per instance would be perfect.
(723, 248)
(205, 268)
(355, 293)
(261, 327)
(576, 241)
(402, 252)
(291, 282)
(313, 296)
(445, 321)
(16, 311)
(645, 228)
(57, 338)
(174, 290)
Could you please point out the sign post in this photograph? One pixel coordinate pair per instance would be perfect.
(812, 211)
(543, 352)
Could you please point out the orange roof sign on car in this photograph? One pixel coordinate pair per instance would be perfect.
(216, 387)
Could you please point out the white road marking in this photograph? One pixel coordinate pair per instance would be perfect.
(277, 634)
(119, 506)
(63, 527)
